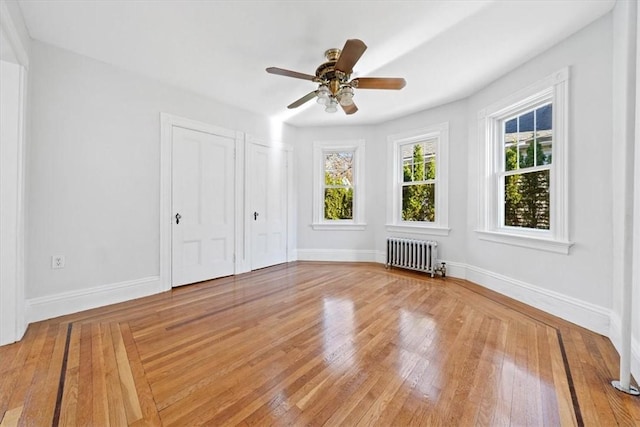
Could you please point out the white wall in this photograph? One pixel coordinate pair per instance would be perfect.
(94, 168)
(584, 274)
(350, 244)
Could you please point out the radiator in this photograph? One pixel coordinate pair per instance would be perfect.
(419, 255)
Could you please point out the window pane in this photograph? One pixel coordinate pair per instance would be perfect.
(430, 167)
(419, 161)
(526, 201)
(418, 202)
(338, 203)
(526, 146)
(544, 134)
(510, 145)
(429, 150)
(338, 168)
(406, 151)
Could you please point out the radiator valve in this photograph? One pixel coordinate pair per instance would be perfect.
(442, 269)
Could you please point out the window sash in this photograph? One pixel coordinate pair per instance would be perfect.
(325, 186)
(428, 181)
(427, 158)
(354, 184)
(525, 170)
(432, 199)
(503, 197)
(339, 186)
(502, 174)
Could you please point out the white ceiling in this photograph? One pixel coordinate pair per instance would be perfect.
(446, 50)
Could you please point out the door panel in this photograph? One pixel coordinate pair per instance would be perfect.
(268, 171)
(203, 197)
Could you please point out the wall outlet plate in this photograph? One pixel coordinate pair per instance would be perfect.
(57, 261)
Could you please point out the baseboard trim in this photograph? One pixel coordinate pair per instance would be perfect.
(50, 306)
(455, 269)
(338, 255)
(582, 313)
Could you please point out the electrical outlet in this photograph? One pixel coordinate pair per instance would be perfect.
(57, 261)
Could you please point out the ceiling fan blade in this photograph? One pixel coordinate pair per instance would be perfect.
(349, 109)
(302, 100)
(379, 83)
(351, 52)
(289, 73)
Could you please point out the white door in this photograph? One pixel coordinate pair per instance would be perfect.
(203, 206)
(268, 196)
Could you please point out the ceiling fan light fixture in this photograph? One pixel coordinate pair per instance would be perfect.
(333, 77)
(324, 95)
(345, 96)
(332, 106)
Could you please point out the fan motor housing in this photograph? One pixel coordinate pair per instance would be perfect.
(327, 71)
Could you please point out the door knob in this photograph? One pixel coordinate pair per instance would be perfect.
(178, 216)
(255, 216)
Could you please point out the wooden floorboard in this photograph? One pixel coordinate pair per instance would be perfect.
(314, 344)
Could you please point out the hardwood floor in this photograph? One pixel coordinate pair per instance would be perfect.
(314, 343)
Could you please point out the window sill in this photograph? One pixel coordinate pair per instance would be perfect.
(339, 226)
(532, 242)
(419, 229)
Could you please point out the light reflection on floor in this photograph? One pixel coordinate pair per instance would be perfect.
(338, 323)
(417, 334)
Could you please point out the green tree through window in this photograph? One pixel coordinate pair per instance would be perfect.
(418, 186)
(338, 185)
(527, 169)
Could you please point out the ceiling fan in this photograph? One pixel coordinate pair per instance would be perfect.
(334, 79)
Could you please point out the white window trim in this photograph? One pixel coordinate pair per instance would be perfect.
(358, 221)
(394, 193)
(556, 89)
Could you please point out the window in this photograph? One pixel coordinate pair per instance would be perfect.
(418, 181)
(524, 178)
(338, 185)
(523, 197)
(338, 201)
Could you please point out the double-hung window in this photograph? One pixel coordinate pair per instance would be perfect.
(338, 185)
(526, 168)
(418, 181)
(523, 197)
(338, 200)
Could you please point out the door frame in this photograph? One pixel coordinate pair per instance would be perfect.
(167, 123)
(289, 198)
(12, 309)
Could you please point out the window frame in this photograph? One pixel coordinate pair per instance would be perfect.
(320, 148)
(395, 224)
(554, 89)
(502, 172)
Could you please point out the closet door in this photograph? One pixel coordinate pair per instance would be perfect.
(203, 171)
(268, 207)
